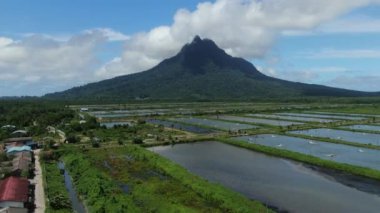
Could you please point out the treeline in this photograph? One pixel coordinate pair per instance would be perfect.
(29, 113)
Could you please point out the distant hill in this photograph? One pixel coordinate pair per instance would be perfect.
(200, 71)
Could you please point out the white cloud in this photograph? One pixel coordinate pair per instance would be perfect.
(110, 34)
(353, 25)
(348, 54)
(40, 59)
(5, 41)
(245, 28)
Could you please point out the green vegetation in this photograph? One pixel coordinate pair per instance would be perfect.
(154, 184)
(34, 114)
(55, 190)
(99, 192)
(112, 172)
(356, 170)
(366, 109)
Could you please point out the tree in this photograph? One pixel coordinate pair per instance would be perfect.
(137, 141)
(72, 138)
(120, 141)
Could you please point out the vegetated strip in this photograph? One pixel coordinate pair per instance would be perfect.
(193, 124)
(198, 138)
(329, 140)
(96, 190)
(356, 170)
(276, 119)
(346, 128)
(244, 122)
(102, 194)
(55, 189)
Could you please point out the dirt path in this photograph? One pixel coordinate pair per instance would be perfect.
(39, 191)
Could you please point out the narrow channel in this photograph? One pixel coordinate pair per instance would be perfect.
(76, 204)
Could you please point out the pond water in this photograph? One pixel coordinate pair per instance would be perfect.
(180, 126)
(369, 158)
(113, 124)
(282, 183)
(347, 114)
(112, 115)
(224, 125)
(259, 120)
(319, 120)
(75, 202)
(311, 115)
(357, 137)
(364, 127)
(142, 112)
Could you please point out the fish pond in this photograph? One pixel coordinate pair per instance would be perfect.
(364, 127)
(224, 125)
(180, 126)
(303, 119)
(369, 158)
(258, 120)
(288, 185)
(311, 115)
(356, 137)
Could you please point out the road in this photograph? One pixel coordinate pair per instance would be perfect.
(38, 180)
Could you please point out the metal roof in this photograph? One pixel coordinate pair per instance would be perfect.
(14, 189)
(19, 149)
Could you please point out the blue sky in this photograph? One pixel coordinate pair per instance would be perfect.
(50, 46)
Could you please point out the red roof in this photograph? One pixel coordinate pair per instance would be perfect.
(14, 189)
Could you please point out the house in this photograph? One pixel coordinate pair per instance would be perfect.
(8, 127)
(84, 109)
(14, 192)
(17, 142)
(51, 129)
(19, 139)
(19, 133)
(16, 149)
(32, 144)
(13, 210)
(21, 166)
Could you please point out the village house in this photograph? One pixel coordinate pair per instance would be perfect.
(14, 194)
(16, 149)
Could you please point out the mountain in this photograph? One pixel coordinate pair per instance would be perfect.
(200, 71)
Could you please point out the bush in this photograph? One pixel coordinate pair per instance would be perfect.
(59, 200)
(101, 193)
(72, 138)
(137, 141)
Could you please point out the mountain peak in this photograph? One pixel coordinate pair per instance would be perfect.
(199, 44)
(197, 39)
(200, 53)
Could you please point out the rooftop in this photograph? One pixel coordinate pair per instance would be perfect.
(19, 149)
(14, 189)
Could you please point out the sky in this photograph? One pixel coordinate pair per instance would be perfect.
(48, 46)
